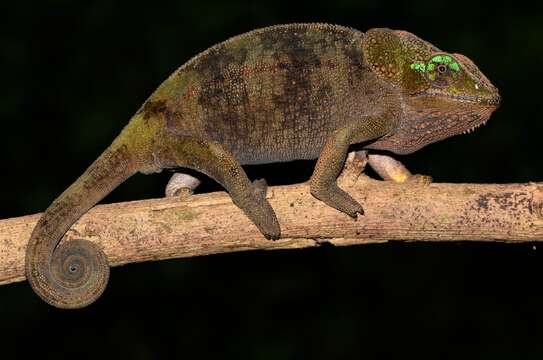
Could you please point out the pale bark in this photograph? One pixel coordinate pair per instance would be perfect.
(196, 225)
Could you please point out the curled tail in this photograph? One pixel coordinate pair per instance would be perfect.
(75, 274)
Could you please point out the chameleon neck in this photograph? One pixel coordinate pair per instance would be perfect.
(75, 273)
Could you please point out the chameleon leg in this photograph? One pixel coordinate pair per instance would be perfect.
(393, 170)
(323, 181)
(215, 161)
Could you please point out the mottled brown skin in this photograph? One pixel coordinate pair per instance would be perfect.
(300, 91)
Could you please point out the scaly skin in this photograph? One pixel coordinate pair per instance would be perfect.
(300, 91)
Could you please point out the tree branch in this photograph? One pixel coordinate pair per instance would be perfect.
(196, 225)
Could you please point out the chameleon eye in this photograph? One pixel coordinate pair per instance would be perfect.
(442, 68)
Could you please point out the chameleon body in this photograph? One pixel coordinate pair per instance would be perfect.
(286, 92)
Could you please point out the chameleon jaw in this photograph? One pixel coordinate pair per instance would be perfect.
(483, 106)
(474, 127)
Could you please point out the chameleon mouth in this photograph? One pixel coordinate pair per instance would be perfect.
(493, 101)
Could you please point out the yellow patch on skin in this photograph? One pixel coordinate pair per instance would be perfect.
(399, 178)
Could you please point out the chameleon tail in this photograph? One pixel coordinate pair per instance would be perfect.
(75, 273)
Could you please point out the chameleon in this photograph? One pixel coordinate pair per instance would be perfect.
(275, 94)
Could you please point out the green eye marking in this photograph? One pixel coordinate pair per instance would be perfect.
(431, 66)
(442, 59)
(454, 66)
(418, 66)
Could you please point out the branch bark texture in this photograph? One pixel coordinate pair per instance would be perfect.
(195, 225)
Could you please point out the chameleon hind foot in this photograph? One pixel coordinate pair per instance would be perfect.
(217, 162)
(260, 188)
(258, 209)
(264, 217)
(337, 198)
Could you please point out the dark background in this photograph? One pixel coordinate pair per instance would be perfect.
(74, 72)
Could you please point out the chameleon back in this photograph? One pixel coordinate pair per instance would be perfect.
(273, 94)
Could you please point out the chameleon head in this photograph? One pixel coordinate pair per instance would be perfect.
(442, 94)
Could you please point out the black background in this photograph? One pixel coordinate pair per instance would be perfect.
(74, 72)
